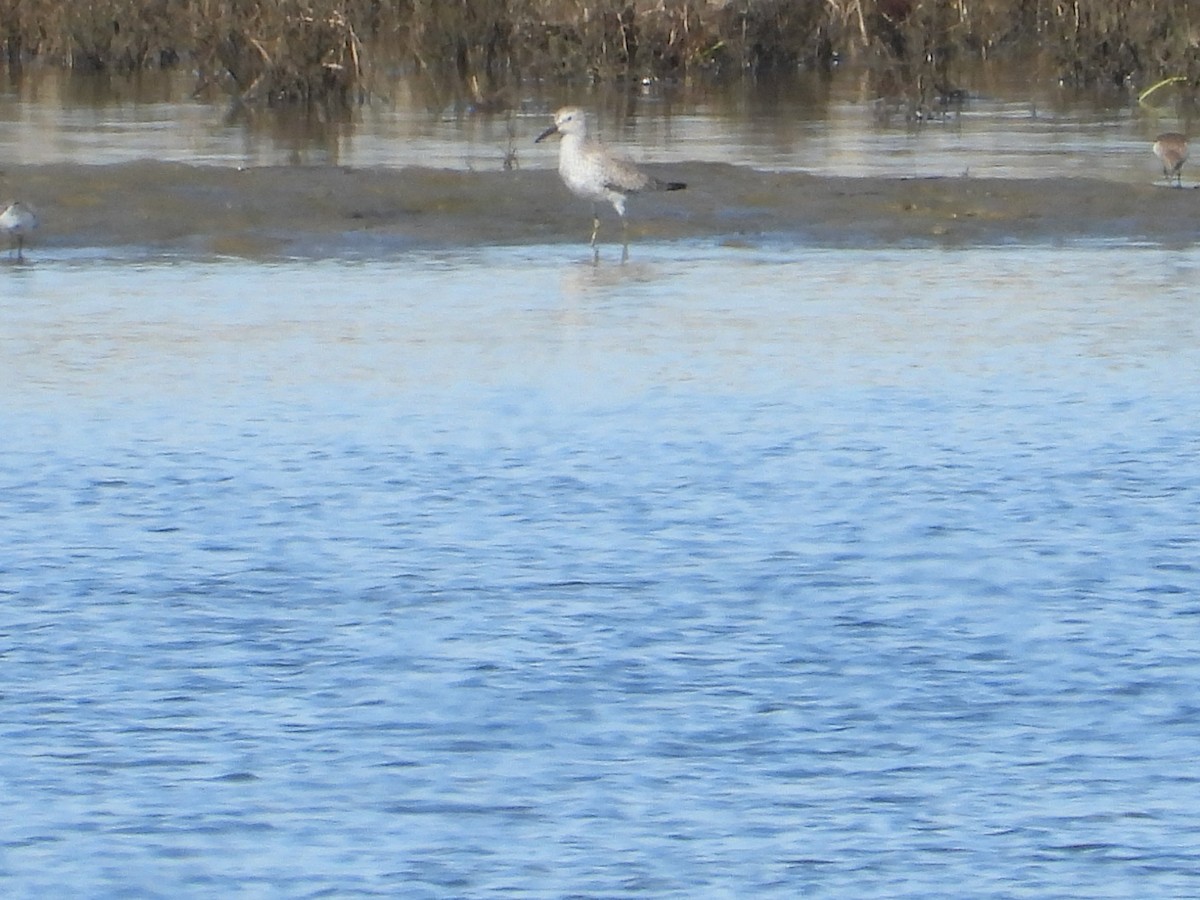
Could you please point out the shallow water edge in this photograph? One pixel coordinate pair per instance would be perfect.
(324, 211)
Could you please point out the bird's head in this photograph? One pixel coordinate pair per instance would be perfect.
(568, 120)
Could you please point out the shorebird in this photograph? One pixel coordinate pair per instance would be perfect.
(590, 171)
(1172, 149)
(18, 220)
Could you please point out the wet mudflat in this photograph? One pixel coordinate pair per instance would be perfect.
(809, 162)
(329, 211)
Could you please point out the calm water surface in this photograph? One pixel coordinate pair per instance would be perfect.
(1007, 128)
(730, 572)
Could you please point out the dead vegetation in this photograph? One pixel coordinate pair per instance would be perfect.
(279, 52)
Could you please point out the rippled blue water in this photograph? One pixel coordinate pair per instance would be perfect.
(730, 572)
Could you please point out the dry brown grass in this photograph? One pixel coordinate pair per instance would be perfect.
(326, 51)
(288, 52)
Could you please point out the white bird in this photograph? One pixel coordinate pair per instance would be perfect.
(18, 220)
(1172, 149)
(590, 171)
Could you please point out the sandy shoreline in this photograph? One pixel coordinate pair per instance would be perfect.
(328, 211)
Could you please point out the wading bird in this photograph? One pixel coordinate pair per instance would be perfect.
(17, 221)
(1172, 150)
(590, 171)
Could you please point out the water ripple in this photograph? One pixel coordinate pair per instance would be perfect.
(674, 598)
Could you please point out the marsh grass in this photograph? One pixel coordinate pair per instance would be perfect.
(282, 52)
(287, 53)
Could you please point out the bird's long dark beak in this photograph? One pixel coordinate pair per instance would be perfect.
(553, 129)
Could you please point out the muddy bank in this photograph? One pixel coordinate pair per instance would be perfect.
(323, 211)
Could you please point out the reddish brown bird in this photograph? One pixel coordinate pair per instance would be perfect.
(1172, 149)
